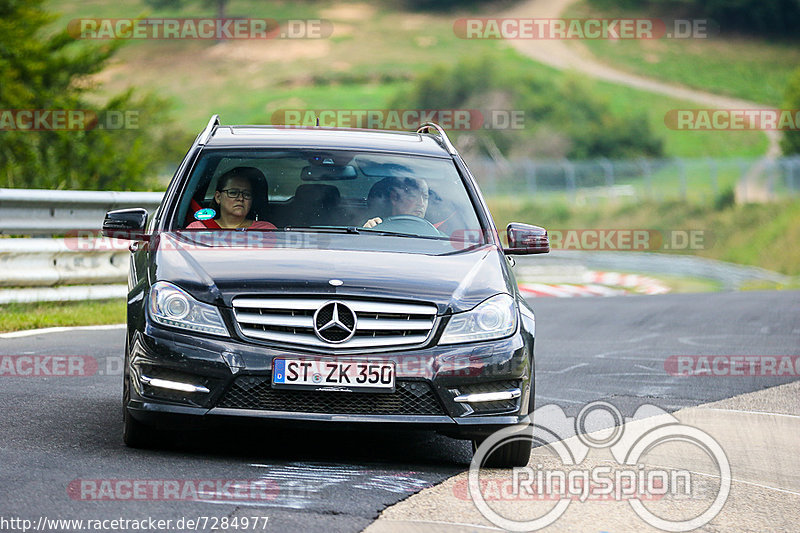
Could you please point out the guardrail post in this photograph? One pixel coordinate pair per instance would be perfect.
(569, 174)
(608, 170)
(743, 179)
(530, 175)
(684, 186)
(712, 171)
(648, 178)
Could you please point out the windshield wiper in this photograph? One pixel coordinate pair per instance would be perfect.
(325, 229)
(400, 234)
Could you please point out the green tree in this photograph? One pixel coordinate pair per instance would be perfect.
(791, 139)
(221, 5)
(761, 17)
(41, 70)
(566, 108)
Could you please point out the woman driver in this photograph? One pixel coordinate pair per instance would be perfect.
(233, 200)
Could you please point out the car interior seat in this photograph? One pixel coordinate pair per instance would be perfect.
(316, 204)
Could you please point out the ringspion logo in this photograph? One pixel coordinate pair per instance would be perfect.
(633, 476)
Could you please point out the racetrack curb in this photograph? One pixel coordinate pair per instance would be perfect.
(757, 431)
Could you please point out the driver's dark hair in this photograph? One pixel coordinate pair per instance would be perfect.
(378, 196)
(253, 176)
(405, 184)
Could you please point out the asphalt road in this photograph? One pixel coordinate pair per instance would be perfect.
(60, 436)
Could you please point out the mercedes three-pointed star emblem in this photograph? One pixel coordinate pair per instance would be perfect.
(334, 322)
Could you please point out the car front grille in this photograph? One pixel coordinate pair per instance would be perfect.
(256, 392)
(378, 323)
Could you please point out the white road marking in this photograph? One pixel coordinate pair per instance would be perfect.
(563, 370)
(749, 412)
(443, 522)
(60, 329)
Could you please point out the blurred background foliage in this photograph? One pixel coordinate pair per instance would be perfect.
(384, 55)
(49, 71)
(564, 107)
(758, 17)
(790, 143)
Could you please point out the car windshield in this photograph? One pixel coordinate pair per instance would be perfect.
(395, 196)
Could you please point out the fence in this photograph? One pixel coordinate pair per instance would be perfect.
(586, 182)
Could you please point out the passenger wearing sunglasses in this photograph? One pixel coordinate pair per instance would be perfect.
(233, 202)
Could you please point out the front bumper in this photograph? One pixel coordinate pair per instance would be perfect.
(232, 382)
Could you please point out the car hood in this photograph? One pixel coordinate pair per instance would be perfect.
(455, 281)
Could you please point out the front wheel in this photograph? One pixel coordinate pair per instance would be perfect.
(134, 433)
(511, 452)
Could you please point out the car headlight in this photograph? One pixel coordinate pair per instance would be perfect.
(174, 307)
(493, 319)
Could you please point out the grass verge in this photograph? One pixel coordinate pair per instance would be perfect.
(763, 235)
(20, 316)
(743, 67)
(373, 53)
(679, 284)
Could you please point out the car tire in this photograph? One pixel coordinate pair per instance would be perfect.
(134, 433)
(507, 455)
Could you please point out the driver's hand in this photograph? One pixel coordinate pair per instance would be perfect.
(371, 223)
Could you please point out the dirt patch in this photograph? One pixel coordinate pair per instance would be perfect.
(413, 21)
(354, 12)
(280, 51)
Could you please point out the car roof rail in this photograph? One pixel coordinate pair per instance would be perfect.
(425, 127)
(209, 131)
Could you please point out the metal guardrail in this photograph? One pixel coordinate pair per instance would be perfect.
(46, 212)
(39, 264)
(42, 266)
(49, 262)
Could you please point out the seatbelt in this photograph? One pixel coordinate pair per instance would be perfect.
(211, 224)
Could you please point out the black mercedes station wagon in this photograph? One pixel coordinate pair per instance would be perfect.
(341, 277)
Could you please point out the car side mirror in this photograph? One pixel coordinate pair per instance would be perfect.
(526, 239)
(126, 224)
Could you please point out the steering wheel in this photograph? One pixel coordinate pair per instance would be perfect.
(409, 224)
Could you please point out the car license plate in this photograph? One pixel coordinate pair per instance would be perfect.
(364, 376)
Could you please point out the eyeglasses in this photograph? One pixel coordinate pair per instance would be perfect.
(235, 193)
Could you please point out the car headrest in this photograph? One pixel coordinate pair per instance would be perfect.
(317, 195)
